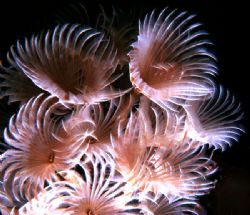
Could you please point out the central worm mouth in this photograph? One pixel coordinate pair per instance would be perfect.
(89, 212)
(52, 157)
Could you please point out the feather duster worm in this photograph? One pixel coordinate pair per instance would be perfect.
(71, 62)
(215, 121)
(37, 151)
(94, 193)
(99, 122)
(161, 163)
(169, 62)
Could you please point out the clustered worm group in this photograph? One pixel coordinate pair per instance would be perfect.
(80, 144)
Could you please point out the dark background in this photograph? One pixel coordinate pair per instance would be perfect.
(227, 24)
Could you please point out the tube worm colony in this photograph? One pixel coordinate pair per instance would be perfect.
(79, 145)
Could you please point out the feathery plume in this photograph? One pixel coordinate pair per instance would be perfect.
(215, 121)
(74, 63)
(169, 63)
(37, 152)
(149, 162)
(99, 121)
(94, 193)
